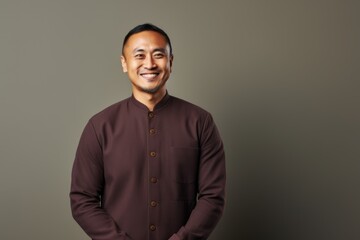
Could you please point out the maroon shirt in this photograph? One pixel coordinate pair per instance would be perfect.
(145, 175)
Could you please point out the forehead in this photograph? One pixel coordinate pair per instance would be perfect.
(146, 40)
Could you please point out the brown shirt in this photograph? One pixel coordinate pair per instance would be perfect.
(145, 175)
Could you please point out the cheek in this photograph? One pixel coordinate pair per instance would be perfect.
(166, 67)
(133, 67)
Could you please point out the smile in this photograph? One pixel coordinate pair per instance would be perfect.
(149, 76)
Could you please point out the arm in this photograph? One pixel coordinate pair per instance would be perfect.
(212, 178)
(86, 187)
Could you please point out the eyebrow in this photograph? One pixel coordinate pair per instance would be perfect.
(163, 50)
(138, 50)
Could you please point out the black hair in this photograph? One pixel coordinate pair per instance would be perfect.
(147, 27)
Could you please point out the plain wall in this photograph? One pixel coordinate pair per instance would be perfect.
(281, 79)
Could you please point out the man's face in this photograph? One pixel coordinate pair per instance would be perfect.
(146, 59)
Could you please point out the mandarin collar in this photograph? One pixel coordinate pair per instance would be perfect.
(163, 102)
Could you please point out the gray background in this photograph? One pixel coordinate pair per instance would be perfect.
(281, 79)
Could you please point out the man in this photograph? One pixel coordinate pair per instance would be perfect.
(150, 167)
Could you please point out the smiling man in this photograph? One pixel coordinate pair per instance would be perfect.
(152, 166)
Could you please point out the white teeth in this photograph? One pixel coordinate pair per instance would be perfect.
(149, 75)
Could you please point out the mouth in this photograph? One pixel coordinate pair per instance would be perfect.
(149, 76)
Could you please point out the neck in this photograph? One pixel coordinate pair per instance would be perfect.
(150, 99)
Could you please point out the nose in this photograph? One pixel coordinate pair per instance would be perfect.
(149, 62)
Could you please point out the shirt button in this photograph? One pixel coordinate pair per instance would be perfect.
(151, 114)
(153, 154)
(153, 180)
(152, 227)
(153, 203)
(152, 131)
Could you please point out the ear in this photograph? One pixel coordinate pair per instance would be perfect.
(171, 62)
(123, 64)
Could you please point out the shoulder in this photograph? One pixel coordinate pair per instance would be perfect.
(190, 108)
(190, 113)
(193, 115)
(110, 113)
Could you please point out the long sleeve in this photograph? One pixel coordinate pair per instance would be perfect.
(155, 176)
(87, 185)
(211, 186)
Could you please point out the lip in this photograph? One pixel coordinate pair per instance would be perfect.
(149, 75)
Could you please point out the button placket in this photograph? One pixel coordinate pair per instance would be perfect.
(154, 168)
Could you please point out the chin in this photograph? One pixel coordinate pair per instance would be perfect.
(150, 90)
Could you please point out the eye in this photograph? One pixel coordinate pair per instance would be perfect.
(139, 56)
(158, 55)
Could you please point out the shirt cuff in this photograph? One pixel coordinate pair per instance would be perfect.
(174, 237)
(180, 235)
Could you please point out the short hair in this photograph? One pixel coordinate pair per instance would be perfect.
(146, 27)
